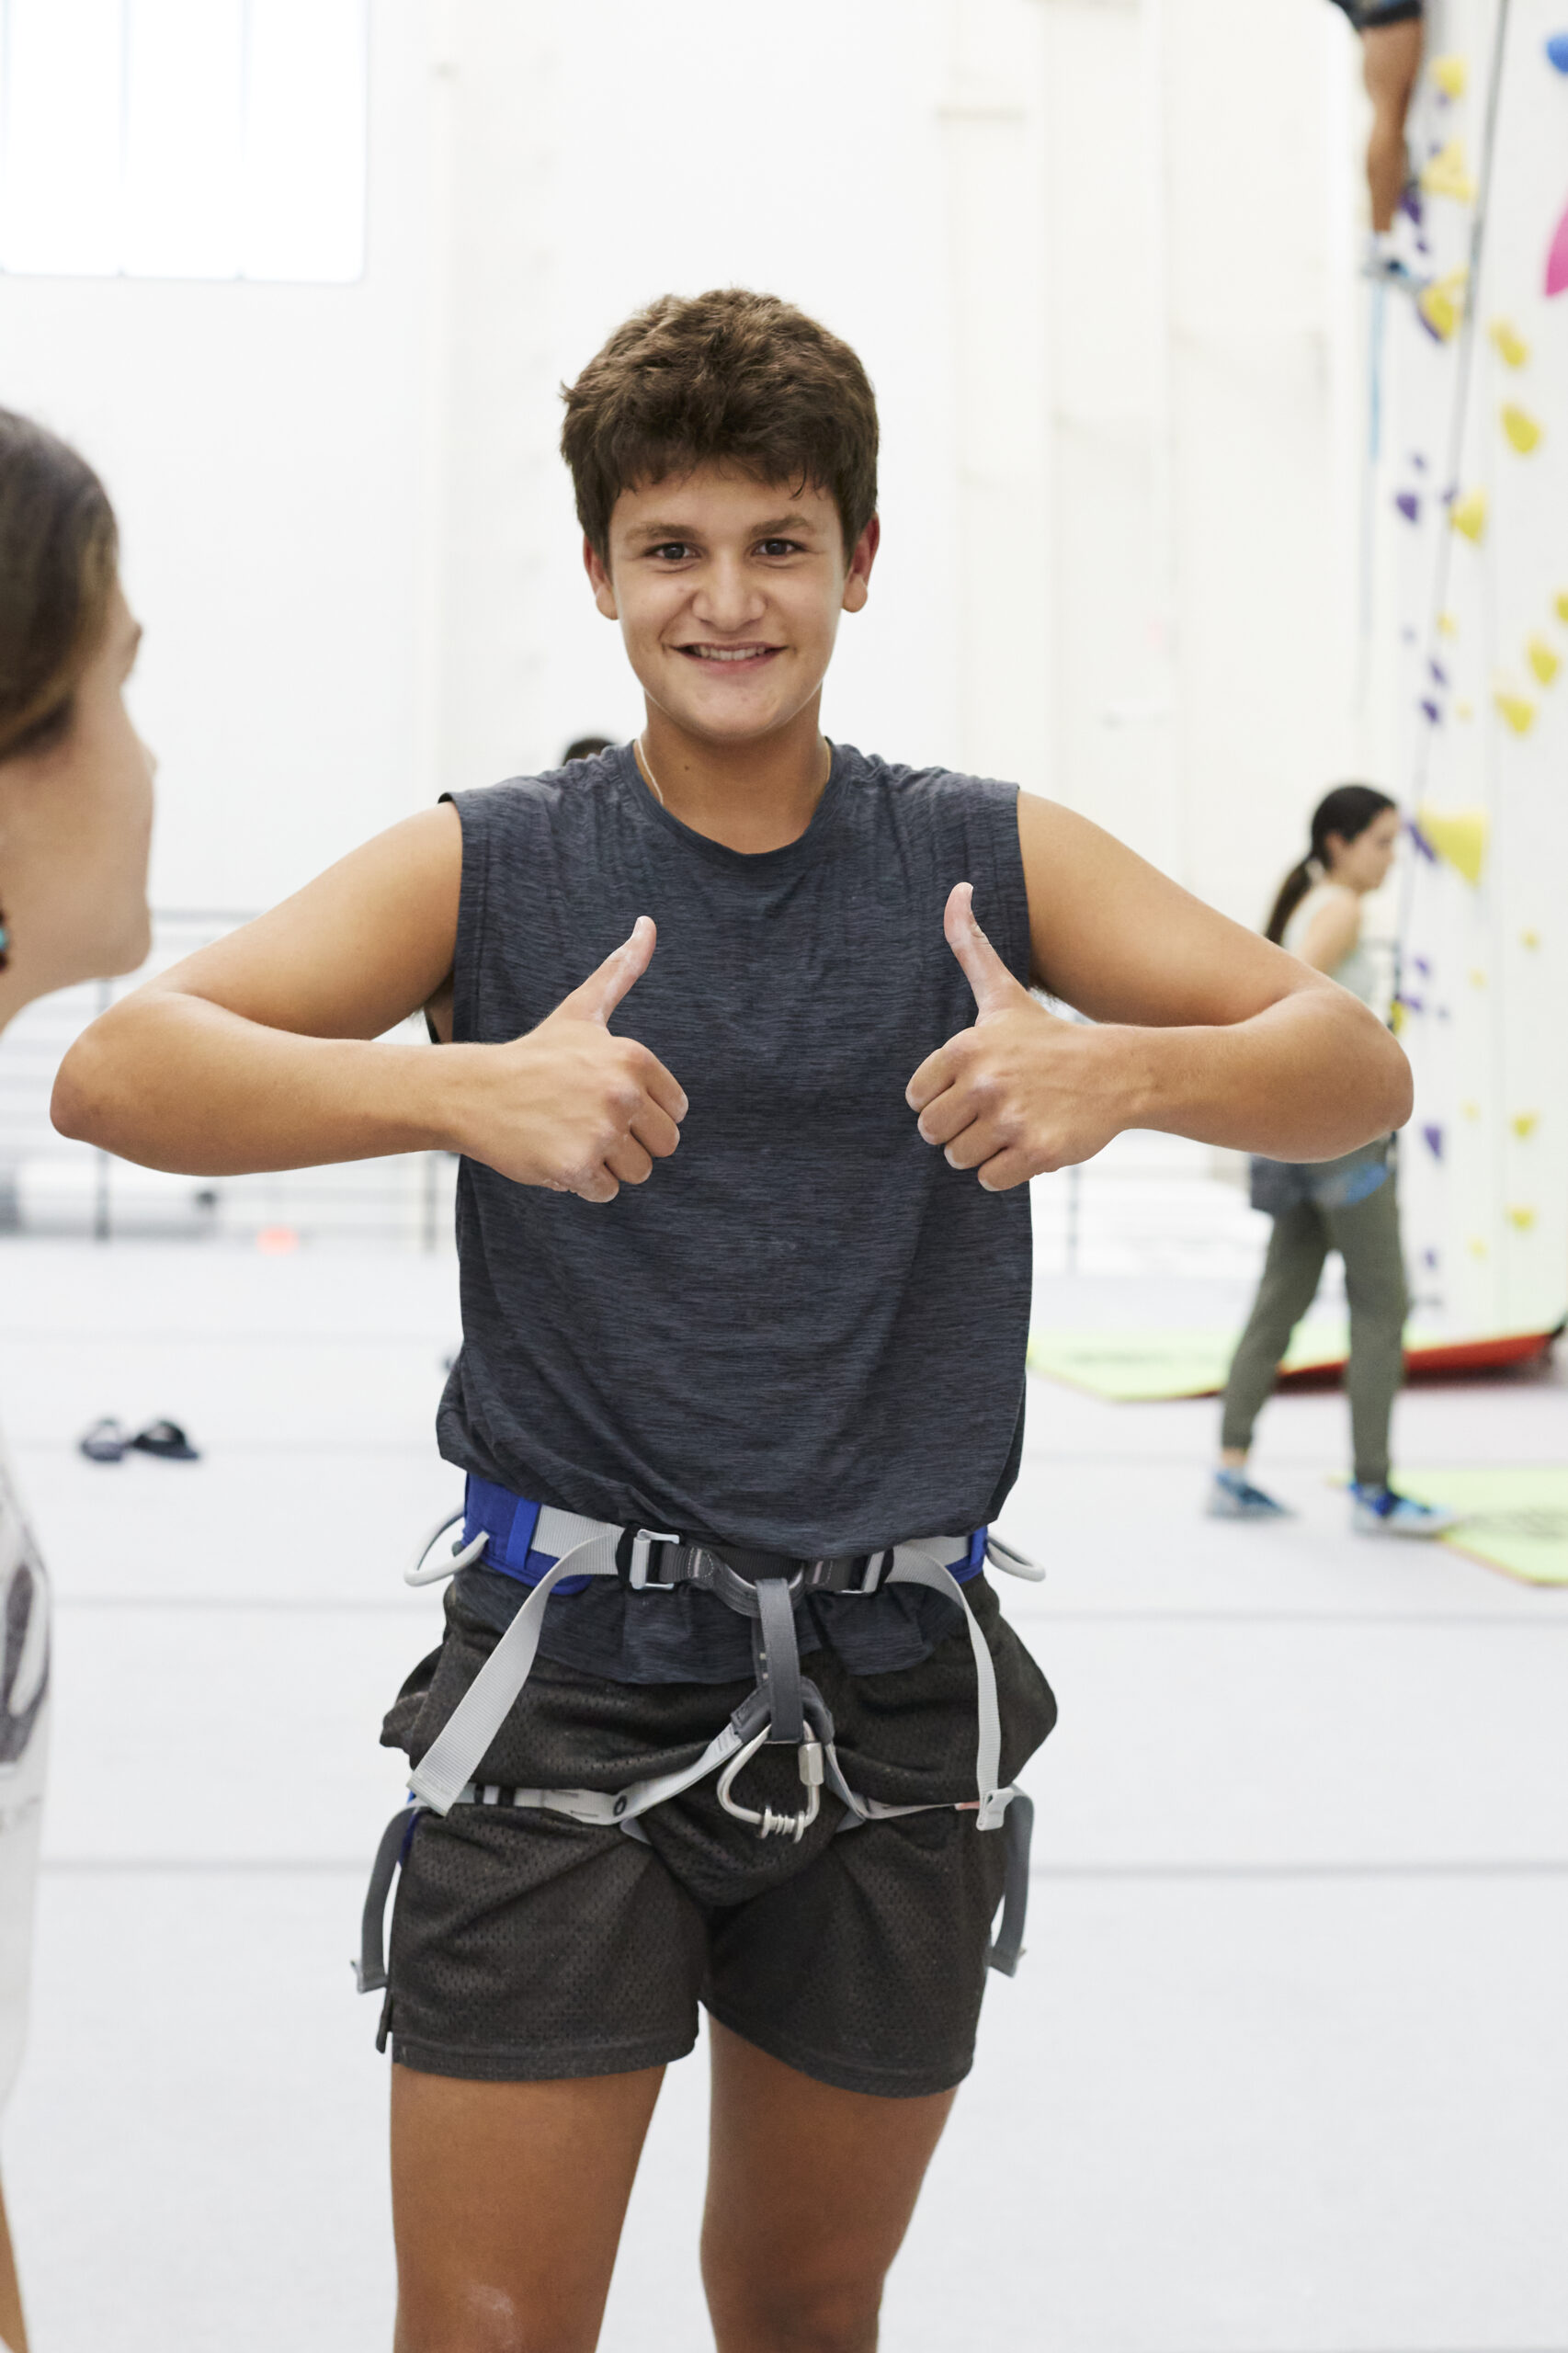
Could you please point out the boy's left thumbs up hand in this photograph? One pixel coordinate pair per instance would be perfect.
(1019, 1092)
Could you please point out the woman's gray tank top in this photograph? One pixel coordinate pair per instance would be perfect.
(805, 1332)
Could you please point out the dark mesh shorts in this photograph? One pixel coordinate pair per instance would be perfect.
(527, 1947)
(1367, 15)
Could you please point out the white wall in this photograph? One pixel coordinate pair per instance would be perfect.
(265, 448)
(1096, 254)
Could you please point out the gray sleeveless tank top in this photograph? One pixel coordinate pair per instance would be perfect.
(806, 1332)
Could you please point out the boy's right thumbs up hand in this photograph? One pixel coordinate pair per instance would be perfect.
(571, 1106)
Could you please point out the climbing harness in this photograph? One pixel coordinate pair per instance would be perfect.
(558, 1551)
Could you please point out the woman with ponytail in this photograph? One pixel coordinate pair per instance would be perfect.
(1348, 1205)
(76, 819)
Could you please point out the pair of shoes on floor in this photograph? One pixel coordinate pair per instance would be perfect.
(110, 1441)
(1379, 1511)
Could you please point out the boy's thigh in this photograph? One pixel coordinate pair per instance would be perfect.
(866, 1970)
(809, 2192)
(527, 1949)
(507, 2204)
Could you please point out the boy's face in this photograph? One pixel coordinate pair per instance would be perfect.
(727, 593)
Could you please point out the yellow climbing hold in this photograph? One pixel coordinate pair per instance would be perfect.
(1518, 710)
(1397, 1015)
(1450, 74)
(1542, 660)
(1521, 428)
(1448, 174)
(1523, 1219)
(1469, 515)
(1530, 939)
(1446, 625)
(1477, 977)
(1464, 710)
(1509, 342)
(1525, 1123)
(1458, 835)
(1441, 305)
(1477, 1247)
(1562, 603)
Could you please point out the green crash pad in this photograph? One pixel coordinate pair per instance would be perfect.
(1516, 1520)
(1133, 1366)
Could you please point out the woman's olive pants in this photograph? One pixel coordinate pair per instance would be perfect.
(1367, 1238)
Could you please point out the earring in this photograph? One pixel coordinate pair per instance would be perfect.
(5, 941)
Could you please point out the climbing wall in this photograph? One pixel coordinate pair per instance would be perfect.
(1471, 485)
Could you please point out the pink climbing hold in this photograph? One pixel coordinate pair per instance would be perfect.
(1557, 260)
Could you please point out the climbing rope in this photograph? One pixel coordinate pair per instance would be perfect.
(1457, 421)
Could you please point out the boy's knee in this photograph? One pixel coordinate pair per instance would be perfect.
(794, 2315)
(489, 2321)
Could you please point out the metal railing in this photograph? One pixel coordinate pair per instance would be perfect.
(52, 1187)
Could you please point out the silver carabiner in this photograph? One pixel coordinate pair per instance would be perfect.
(769, 1825)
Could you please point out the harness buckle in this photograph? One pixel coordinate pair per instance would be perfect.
(643, 1544)
(858, 1572)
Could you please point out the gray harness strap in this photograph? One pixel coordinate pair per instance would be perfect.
(779, 1660)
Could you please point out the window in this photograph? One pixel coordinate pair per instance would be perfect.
(183, 138)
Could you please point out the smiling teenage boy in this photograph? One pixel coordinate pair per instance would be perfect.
(746, 1288)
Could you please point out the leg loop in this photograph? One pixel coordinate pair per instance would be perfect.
(371, 1968)
(1007, 1945)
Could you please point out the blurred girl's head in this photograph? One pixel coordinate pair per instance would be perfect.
(1354, 838)
(76, 780)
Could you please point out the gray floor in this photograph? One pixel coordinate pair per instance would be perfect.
(1286, 2070)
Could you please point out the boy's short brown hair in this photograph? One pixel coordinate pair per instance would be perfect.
(728, 375)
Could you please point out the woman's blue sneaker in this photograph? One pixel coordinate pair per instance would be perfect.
(1233, 1497)
(1378, 1511)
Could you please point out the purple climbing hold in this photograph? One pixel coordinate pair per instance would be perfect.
(1429, 1259)
(1421, 966)
(1438, 673)
(1419, 842)
(1409, 505)
(1433, 1140)
(1413, 1003)
(1418, 461)
(1407, 636)
(1410, 202)
(1450, 494)
(1433, 713)
(1557, 49)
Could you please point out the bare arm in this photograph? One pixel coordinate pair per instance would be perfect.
(1201, 1028)
(266, 1051)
